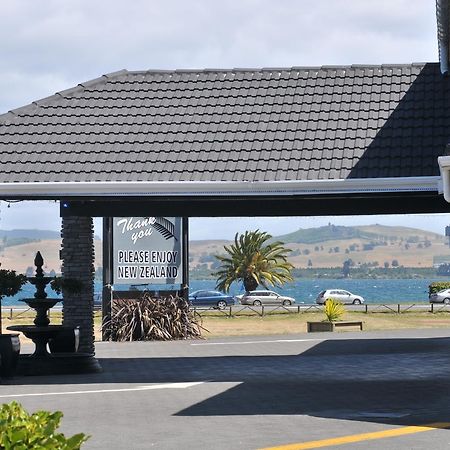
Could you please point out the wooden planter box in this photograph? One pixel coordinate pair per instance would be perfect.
(331, 326)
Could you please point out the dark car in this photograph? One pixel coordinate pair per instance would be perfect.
(211, 298)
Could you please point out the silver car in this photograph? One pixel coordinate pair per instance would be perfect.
(441, 297)
(340, 295)
(258, 298)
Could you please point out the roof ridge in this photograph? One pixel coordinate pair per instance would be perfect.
(272, 69)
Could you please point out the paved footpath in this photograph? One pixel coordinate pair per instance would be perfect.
(350, 390)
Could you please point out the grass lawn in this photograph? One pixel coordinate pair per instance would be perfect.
(296, 323)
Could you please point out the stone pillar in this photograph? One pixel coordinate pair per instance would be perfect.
(78, 263)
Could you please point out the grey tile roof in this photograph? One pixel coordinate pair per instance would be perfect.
(234, 125)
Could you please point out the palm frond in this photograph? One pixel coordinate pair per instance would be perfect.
(253, 259)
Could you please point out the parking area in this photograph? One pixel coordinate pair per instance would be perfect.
(355, 390)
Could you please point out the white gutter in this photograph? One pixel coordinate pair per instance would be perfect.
(444, 167)
(209, 188)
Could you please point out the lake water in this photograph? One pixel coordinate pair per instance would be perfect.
(306, 290)
(373, 291)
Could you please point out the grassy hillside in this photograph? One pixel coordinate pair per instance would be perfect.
(20, 257)
(326, 233)
(368, 232)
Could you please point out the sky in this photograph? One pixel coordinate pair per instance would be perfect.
(52, 45)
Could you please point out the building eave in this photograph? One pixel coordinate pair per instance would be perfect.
(210, 188)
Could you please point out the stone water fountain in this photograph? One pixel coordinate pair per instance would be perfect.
(42, 362)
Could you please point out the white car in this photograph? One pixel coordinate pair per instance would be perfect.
(440, 297)
(340, 295)
(258, 298)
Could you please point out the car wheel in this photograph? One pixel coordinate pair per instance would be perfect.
(287, 303)
(257, 303)
(221, 304)
(357, 301)
(447, 301)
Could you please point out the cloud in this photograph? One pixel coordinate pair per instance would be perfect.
(53, 44)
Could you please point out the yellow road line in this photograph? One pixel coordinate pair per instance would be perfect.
(362, 437)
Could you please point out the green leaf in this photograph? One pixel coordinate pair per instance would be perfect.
(22, 431)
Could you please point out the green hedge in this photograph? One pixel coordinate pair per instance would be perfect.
(438, 286)
(22, 431)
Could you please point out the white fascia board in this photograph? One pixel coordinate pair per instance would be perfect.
(209, 188)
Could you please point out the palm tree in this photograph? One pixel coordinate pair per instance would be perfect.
(253, 260)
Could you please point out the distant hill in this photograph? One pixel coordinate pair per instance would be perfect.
(321, 247)
(29, 234)
(326, 233)
(11, 238)
(21, 257)
(18, 248)
(367, 232)
(331, 245)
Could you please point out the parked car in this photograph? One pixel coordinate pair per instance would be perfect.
(258, 298)
(339, 295)
(211, 298)
(440, 297)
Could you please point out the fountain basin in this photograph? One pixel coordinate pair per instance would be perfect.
(40, 336)
(41, 302)
(41, 305)
(41, 362)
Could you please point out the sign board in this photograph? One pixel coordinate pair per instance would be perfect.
(147, 250)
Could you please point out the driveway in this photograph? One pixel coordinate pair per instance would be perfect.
(354, 390)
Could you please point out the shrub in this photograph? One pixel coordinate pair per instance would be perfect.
(70, 285)
(152, 319)
(21, 430)
(10, 282)
(438, 286)
(333, 310)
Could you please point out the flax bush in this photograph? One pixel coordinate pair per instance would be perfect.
(333, 310)
(152, 319)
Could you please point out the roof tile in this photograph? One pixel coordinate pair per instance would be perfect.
(357, 121)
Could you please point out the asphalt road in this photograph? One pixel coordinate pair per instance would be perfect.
(371, 390)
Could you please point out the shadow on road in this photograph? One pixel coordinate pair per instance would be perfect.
(394, 381)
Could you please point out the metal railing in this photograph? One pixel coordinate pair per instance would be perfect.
(265, 310)
(11, 312)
